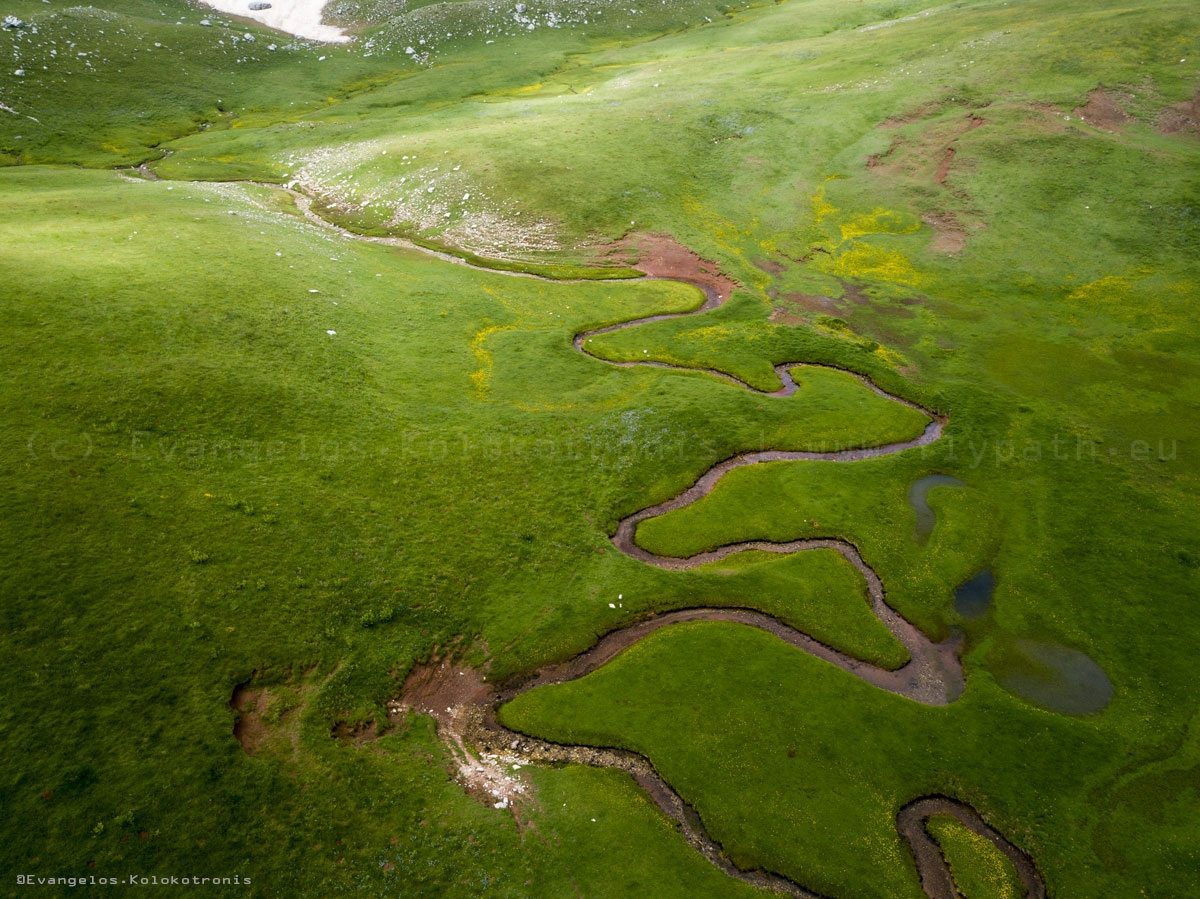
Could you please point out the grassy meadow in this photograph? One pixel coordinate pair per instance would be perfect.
(241, 448)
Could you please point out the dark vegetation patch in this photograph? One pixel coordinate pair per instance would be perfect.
(795, 300)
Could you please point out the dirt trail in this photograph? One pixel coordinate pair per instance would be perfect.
(465, 707)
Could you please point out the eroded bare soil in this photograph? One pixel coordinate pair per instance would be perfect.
(1104, 110)
(661, 256)
(1181, 118)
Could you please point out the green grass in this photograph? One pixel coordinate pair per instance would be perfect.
(201, 483)
(181, 486)
(979, 869)
(866, 503)
(800, 767)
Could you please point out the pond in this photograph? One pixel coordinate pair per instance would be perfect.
(1054, 677)
(918, 499)
(972, 597)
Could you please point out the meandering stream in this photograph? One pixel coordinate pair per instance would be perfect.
(932, 676)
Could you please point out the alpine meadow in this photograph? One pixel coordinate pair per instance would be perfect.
(609, 448)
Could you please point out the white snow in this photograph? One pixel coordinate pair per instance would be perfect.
(299, 17)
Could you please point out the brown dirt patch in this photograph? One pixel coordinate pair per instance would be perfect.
(921, 112)
(888, 157)
(770, 266)
(359, 733)
(855, 294)
(1181, 118)
(924, 111)
(950, 235)
(928, 155)
(661, 256)
(943, 168)
(455, 696)
(251, 704)
(782, 315)
(268, 715)
(439, 687)
(1103, 110)
(790, 308)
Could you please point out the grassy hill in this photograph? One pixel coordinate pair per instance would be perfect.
(244, 452)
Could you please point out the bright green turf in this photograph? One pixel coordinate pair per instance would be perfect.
(979, 869)
(767, 742)
(183, 494)
(261, 496)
